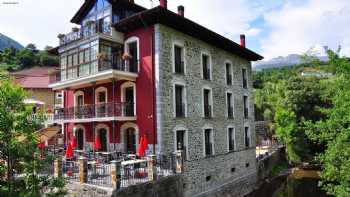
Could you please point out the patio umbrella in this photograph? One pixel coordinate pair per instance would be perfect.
(74, 142)
(97, 145)
(143, 146)
(69, 151)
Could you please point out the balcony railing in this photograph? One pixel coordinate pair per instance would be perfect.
(180, 110)
(107, 63)
(85, 32)
(207, 111)
(96, 111)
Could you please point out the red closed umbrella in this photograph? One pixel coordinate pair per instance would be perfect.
(97, 145)
(74, 142)
(41, 145)
(143, 146)
(69, 151)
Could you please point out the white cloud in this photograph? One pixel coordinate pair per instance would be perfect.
(296, 27)
(40, 21)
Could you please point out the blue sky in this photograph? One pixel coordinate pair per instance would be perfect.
(273, 27)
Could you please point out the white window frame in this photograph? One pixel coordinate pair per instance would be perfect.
(77, 127)
(181, 128)
(126, 48)
(212, 140)
(103, 126)
(234, 138)
(184, 95)
(210, 64)
(232, 101)
(122, 94)
(231, 66)
(76, 94)
(182, 46)
(249, 135)
(98, 90)
(59, 95)
(211, 101)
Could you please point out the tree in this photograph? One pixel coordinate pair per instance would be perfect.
(19, 153)
(334, 131)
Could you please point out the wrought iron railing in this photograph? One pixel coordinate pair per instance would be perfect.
(96, 111)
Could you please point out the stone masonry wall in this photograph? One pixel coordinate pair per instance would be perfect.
(203, 174)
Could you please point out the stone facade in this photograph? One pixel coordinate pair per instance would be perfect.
(203, 174)
(43, 95)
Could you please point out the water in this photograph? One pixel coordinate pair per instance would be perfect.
(287, 186)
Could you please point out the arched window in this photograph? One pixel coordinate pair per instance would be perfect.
(130, 137)
(128, 98)
(132, 47)
(80, 137)
(102, 132)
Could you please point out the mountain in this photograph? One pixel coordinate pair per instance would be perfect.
(6, 42)
(290, 60)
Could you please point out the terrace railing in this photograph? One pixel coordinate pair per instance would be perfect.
(96, 111)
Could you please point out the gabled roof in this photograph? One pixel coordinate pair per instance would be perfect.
(89, 4)
(182, 24)
(36, 77)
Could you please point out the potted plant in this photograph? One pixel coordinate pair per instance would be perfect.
(126, 56)
(75, 29)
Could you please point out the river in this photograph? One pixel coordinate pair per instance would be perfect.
(288, 186)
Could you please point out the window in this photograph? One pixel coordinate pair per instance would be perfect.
(206, 67)
(245, 104)
(179, 60)
(132, 48)
(208, 142)
(245, 78)
(246, 137)
(229, 75)
(80, 139)
(180, 106)
(181, 143)
(59, 95)
(207, 103)
(231, 139)
(229, 101)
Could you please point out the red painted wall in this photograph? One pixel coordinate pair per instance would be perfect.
(144, 84)
(145, 93)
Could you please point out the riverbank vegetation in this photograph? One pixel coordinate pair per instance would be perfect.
(311, 115)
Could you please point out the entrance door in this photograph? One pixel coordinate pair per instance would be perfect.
(129, 101)
(101, 104)
(103, 138)
(80, 139)
(130, 141)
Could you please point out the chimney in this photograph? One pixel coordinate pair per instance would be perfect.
(164, 4)
(181, 10)
(242, 40)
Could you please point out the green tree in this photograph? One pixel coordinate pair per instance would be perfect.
(19, 153)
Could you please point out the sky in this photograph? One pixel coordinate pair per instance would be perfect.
(272, 27)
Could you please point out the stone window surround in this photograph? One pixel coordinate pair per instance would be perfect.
(125, 85)
(210, 64)
(232, 102)
(59, 95)
(103, 126)
(181, 128)
(76, 94)
(231, 65)
(249, 136)
(126, 48)
(247, 76)
(182, 46)
(211, 101)
(80, 126)
(184, 97)
(99, 90)
(234, 138)
(248, 107)
(212, 140)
